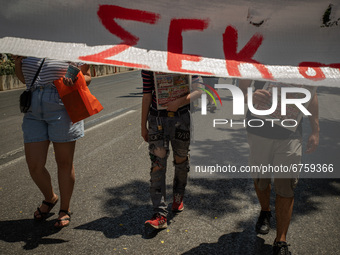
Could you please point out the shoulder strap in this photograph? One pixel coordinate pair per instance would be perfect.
(37, 73)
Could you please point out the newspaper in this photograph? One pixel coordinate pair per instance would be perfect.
(169, 87)
(292, 111)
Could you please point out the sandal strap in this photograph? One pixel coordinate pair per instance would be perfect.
(66, 212)
(42, 214)
(49, 204)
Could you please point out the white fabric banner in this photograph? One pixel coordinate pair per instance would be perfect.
(293, 41)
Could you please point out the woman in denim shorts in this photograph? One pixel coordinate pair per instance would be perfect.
(47, 121)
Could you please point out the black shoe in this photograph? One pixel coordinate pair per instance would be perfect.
(280, 248)
(212, 108)
(263, 223)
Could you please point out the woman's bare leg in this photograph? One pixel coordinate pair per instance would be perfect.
(36, 155)
(64, 153)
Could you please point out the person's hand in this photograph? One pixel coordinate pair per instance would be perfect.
(261, 96)
(313, 142)
(172, 106)
(145, 134)
(68, 81)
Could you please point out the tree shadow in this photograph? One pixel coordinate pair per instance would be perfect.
(30, 232)
(308, 189)
(130, 206)
(130, 223)
(229, 155)
(217, 195)
(234, 243)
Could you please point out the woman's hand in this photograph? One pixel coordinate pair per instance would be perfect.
(68, 81)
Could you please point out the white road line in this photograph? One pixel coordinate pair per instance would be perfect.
(11, 153)
(8, 154)
(108, 121)
(141, 145)
(12, 162)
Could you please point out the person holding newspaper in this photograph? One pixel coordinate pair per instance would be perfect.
(275, 145)
(166, 119)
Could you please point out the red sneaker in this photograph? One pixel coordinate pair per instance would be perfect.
(157, 221)
(177, 204)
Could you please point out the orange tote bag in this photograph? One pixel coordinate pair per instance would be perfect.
(78, 100)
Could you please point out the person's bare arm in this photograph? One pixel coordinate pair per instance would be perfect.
(18, 68)
(146, 102)
(85, 69)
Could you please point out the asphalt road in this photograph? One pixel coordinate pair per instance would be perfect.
(111, 199)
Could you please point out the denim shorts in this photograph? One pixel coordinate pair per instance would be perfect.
(47, 119)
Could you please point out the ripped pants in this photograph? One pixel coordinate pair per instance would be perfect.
(162, 131)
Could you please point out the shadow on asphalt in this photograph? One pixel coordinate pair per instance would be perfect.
(30, 232)
(132, 95)
(239, 242)
(133, 205)
(233, 243)
(130, 206)
(130, 203)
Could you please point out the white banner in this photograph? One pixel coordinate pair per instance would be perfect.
(293, 41)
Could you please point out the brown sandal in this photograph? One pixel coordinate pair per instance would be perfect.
(68, 213)
(44, 215)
